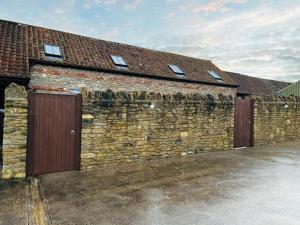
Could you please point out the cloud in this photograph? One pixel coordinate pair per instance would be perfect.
(132, 5)
(59, 11)
(261, 42)
(126, 4)
(262, 38)
(171, 15)
(106, 2)
(220, 6)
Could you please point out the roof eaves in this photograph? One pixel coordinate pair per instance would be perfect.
(21, 76)
(14, 79)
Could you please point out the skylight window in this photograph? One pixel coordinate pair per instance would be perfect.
(176, 69)
(215, 75)
(52, 50)
(119, 61)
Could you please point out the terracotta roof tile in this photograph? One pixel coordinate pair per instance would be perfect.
(13, 50)
(20, 43)
(257, 86)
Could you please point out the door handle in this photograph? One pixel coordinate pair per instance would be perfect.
(73, 132)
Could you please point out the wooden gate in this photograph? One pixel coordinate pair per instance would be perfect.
(54, 133)
(243, 123)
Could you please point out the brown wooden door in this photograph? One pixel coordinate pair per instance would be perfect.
(54, 133)
(243, 123)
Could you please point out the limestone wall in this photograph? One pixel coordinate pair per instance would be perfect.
(276, 119)
(15, 132)
(121, 127)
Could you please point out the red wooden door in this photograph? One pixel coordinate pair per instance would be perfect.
(243, 123)
(54, 133)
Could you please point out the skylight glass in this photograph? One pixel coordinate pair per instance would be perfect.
(176, 69)
(52, 50)
(119, 61)
(214, 75)
(56, 50)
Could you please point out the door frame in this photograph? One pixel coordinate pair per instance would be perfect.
(30, 133)
(251, 141)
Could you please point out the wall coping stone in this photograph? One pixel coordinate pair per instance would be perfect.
(276, 99)
(142, 96)
(14, 91)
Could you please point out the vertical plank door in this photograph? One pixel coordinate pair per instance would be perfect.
(243, 123)
(54, 133)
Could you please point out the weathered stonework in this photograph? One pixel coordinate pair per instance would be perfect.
(125, 127)
(15, 132)
(276, 119)
(63, 79)
(132, 125)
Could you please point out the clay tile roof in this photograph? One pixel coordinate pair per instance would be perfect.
(257, 86)
(13, 50)
(21, 44)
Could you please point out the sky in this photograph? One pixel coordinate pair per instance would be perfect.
(254, 37)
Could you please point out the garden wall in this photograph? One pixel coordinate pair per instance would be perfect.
(276, 119)
(124, 127)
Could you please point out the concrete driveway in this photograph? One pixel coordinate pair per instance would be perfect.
(250, 186)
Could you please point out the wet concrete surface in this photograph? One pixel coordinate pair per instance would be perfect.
(249, 186)
(253, 186)
(13, 205)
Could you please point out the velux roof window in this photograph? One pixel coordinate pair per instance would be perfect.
(176, 69)
(52, 50)
(215, 75)
(119, 61)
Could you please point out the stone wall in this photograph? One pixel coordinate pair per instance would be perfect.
(15, 132)
(276, 119)
(122, 127)
(1, 119)
(63, 79)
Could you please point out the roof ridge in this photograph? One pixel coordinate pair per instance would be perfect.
(257, 77)
(83, 51)
(112, 42)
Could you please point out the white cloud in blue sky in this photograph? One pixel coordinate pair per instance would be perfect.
(255, 37)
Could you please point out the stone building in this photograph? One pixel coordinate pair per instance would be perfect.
(73, 102)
